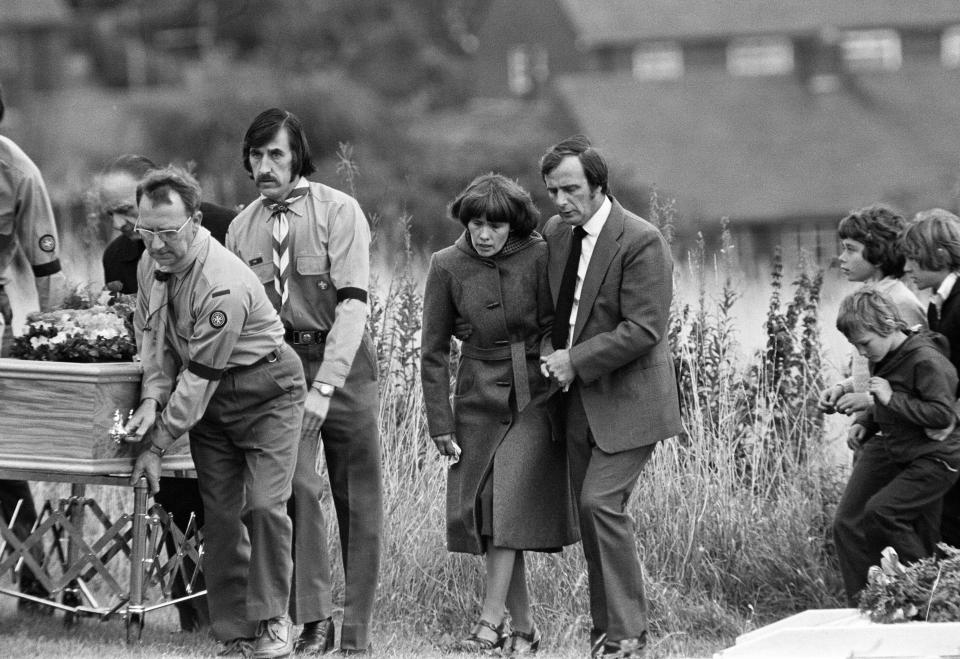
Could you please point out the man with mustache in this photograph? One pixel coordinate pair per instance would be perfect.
(309, 245)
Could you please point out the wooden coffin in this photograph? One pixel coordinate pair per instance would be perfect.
(58, 415)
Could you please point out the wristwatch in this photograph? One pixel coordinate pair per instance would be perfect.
(324, 389)
(156, 450)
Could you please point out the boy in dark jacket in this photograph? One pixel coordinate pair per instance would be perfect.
(897, 484)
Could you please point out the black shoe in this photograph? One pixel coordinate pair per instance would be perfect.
(317, 637)
(597, 639)
(628, 647)
(274, 638)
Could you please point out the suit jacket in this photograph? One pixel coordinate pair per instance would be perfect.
(619, 345)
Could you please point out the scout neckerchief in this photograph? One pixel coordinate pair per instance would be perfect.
(281, 228)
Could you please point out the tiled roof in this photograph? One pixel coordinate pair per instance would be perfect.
(32, 13)
(761, 148)
(618, 21)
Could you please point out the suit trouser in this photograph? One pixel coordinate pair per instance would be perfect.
(602, 484)
(244, 449)
(180, 497)
(888, 501)
(351, 446)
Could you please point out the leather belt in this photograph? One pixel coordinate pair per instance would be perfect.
(517, 353)
(305, 337)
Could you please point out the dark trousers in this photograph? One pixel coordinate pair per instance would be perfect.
(13, 491)
(890, 500)
(351, 446)
(602, 484)
(245, 450)
(180, 497)
(10, 493)
(950, 517)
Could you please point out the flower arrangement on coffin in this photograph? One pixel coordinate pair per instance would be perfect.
(926, 590)
(89, 327)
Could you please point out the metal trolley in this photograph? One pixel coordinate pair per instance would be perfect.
(95, 565)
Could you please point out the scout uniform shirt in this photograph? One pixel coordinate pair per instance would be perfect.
(217, 318)
(329, 248)
(26, 215)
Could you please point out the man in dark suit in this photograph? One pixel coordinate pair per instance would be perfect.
(611, 275)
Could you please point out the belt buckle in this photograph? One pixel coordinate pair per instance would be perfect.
(307, 338)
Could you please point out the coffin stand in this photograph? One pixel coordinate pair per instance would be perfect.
(55, 423)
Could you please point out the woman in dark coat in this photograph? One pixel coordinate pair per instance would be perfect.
(508, 488)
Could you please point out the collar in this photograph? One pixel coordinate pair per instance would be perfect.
(302, 186)
(594, 225)
(946, 286)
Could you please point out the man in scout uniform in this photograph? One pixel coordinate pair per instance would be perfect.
(27, 224)
(309, 246)
(215, 364)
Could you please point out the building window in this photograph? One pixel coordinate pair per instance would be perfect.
(527, 68)
(762, 56)
(950, 47)
(659, 61)
(869, 50)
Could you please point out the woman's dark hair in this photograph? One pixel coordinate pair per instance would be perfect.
(498, 199)
(265, 126)
(878, 228)
(594, 166)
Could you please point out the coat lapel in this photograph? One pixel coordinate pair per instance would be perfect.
(603, 252)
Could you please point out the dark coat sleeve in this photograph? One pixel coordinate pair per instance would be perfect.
(438, 319)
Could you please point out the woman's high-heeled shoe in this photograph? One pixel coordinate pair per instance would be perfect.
(475, 643)
(525, 642)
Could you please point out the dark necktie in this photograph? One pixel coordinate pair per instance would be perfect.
(160, 275)
(568, 286)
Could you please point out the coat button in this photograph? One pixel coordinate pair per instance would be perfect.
(323, 285)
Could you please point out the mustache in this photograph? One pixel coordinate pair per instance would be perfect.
(267, 178)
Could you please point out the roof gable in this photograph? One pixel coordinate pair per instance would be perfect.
(626, 21)
(760, 148)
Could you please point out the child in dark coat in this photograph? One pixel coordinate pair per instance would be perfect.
(898, 482)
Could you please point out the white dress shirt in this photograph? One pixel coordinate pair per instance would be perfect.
(593, 226)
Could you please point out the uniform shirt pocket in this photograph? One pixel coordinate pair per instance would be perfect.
(313, 264)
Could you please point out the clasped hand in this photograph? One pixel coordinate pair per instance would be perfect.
(559, 366)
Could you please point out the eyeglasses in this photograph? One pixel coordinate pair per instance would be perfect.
(166, 235)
